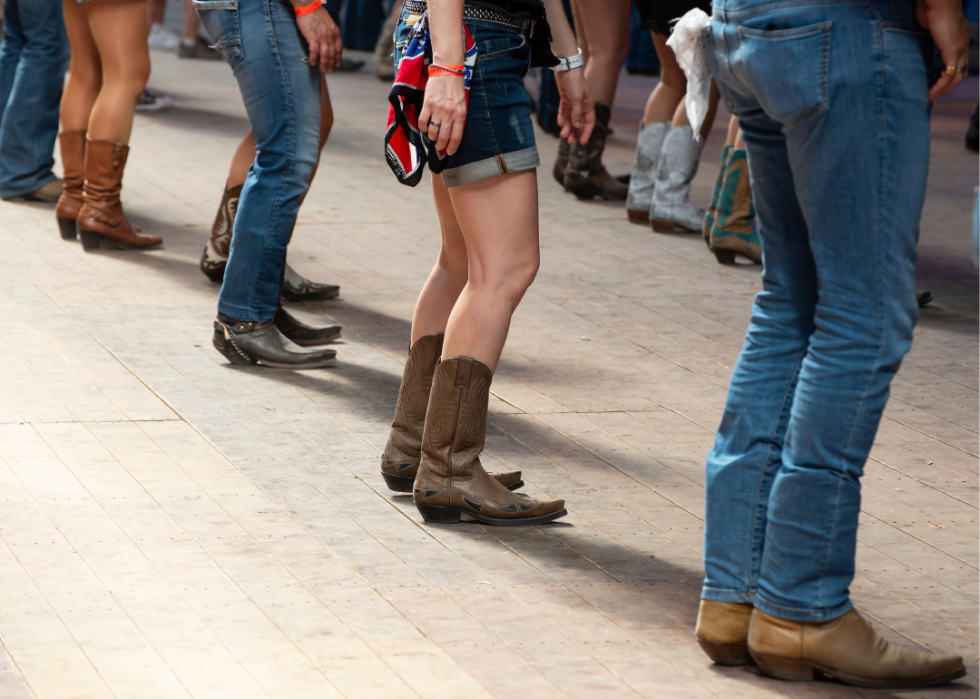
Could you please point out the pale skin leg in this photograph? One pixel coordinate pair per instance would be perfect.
(666, 102)
(606, 42)
(109, 69)
(497, 219)
(191, 21)
(245, 153)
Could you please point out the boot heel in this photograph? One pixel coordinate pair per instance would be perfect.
(67, 228)
(400, 484)
(637, 216)
(90, 240)
(726, 653)
(724, 256)
(784, 668)
(438, 515)
(662, 226)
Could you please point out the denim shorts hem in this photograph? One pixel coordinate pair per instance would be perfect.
(733, 596)
(243, 314)
(803, 614)
(526, 159)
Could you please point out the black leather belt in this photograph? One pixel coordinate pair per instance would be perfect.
(473, 12)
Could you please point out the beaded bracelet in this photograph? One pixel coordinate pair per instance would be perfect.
(307, 9)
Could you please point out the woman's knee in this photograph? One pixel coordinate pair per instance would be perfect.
(509, 278)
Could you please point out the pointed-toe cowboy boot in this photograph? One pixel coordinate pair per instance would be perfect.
(451, 484)
(101, 221)
(586, 177)
(215, 255)
(644, 175)
(723, 631)
(73, 162)
(671, 206)
(734, 229)
(846, 648)
(710, 215)
(400, 460)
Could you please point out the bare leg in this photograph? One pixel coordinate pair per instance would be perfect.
(733, 131)
(498, 217)
(607, 41)
(85, 73)
(155, 10)
(119, 29)
(448, 276)
(670, 91)
(680, 114)
(191, 21)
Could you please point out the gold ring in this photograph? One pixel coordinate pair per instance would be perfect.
(954, 70)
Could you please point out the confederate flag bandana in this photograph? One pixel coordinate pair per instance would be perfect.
(406, 148)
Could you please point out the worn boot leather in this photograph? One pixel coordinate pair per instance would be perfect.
(101, 221)
(400, 459)
(671, 206)
(244, 342)
(301, 333)
(561, 161)
(644, 175)
(215, 255)
(708, 221)
(846, 648)
(73, 162)
(451, 483)
(723, 630)
(296, 287)
(734, 217)
(586, 177)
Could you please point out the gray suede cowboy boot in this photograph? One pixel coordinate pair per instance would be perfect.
(671, 206)
(644, 176)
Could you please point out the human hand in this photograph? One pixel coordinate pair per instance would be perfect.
(323, 36)
(576, 111)
(443, 114)
(947, 24)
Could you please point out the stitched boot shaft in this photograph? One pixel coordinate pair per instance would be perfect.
(671, 205)
(73, 162)
(709, 215)
(734, 221)
(585, 176)
(101, 219)
(451, 483)
(847, 648)
(644, 175)
(215, 255)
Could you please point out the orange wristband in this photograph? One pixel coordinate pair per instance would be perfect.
(437, 69)
(307, 9)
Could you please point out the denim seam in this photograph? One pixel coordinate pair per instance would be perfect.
(486, 102)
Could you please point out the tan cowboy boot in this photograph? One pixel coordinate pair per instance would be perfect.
(73, 162)
(723, 630)
(101, 221)
(451, 484)
(846, 648)
(400, 460)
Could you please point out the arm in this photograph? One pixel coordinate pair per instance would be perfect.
(443, 114)
(576, 112)
(945, 21)
(322, 34)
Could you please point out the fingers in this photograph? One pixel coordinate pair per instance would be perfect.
(314, 52)
(942, 86)
(576, 120)
(587, 128)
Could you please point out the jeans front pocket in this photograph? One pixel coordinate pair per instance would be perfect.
(789, 70)
(220, 19)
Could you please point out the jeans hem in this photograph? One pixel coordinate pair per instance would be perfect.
(813, 615)
(246, 315)
(516, 161)
(733, 596)
(6, 194)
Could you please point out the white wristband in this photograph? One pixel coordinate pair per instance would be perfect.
(576, 61)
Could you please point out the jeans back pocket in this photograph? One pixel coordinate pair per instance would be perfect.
(220, 19)
(788, 70)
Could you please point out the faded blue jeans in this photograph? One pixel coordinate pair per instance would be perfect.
(270, 60)
(831, 98)
(34, 56)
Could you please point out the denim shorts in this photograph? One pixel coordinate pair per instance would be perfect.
(498, 137)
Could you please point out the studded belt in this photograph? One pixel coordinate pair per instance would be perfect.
(474, 12)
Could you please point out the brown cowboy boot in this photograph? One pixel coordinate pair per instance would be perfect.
(846, 648)
(561, 161)
(723, 630)
(400, 460)
(101, 221)
(73, 161)
(586, 177)
(215, 255)
(451, 484)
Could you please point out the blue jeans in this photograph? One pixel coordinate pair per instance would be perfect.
(831, 98)
(34, 56)
(269, 57)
